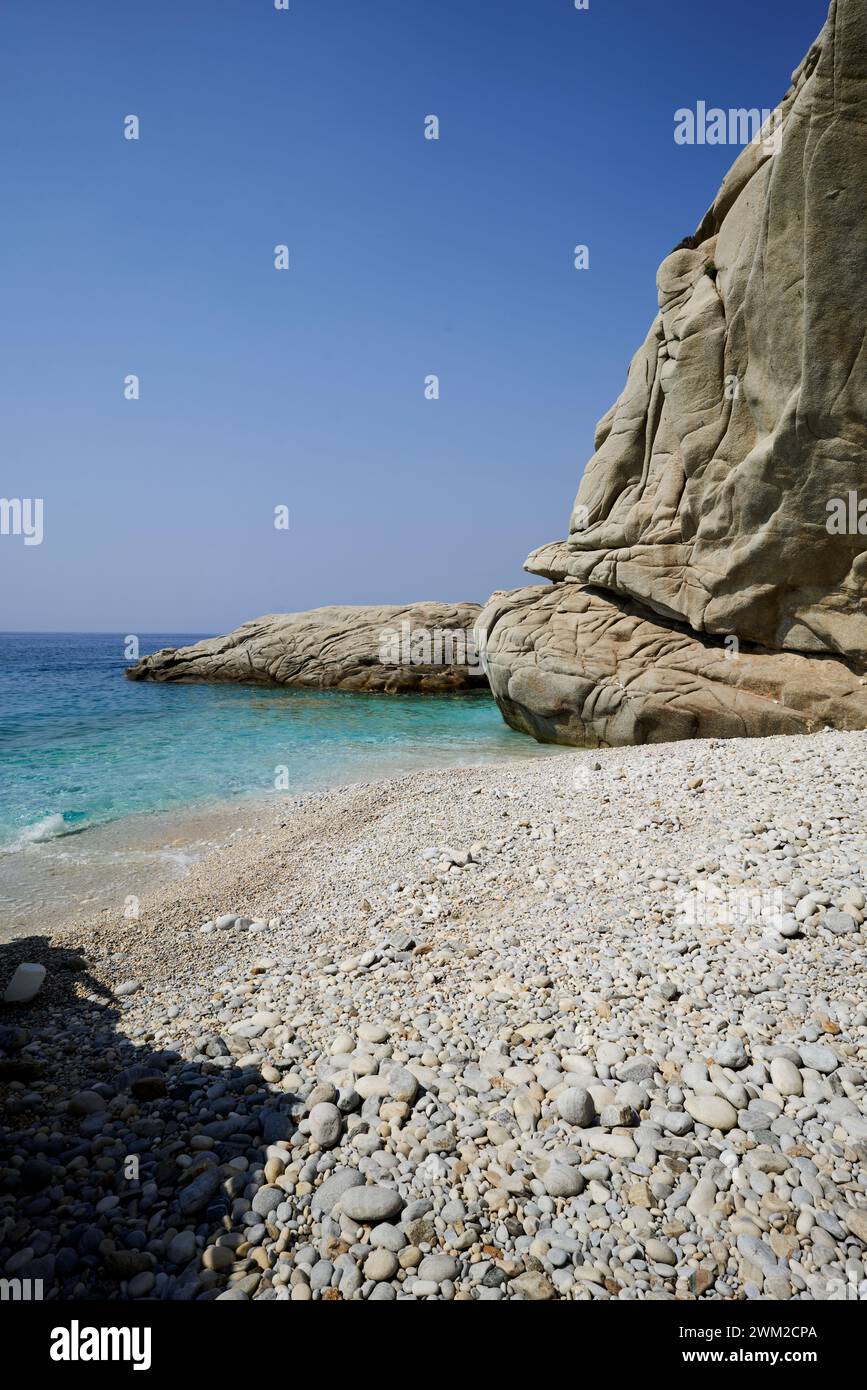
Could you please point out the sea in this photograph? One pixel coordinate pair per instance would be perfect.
(106, 782)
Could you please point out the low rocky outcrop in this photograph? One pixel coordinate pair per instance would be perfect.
(715, 573)
(425, 647)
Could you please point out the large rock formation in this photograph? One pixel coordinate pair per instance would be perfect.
(425, 647)
(713, 580)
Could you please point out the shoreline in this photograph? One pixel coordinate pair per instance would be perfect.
(94, 870)
(471, 1040)
(241, 838)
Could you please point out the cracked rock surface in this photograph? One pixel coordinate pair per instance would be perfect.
(706, 503)
(427, 646)
(574, 665)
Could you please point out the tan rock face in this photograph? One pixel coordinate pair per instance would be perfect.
(576, 666)
(723, 495)
(425, 647)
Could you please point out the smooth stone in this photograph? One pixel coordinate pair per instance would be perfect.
(382, 1293)
(217, 1257)
(389, 1237)
(533, 1286)
(424, 1288)
(561, 1180)
(182, 1248)
(326, 1123)
(818, 1057)
(380, 1264)
(840, 923)
(713, 1111)
(438, 1268)
(660, 1252)
(198, 1193)
(400, 1082)
(731, 1053)
(334, 1189)
(141, 1284)
(370, 1205)
(373, 1033)
(576, 1107)
(86, 1103)
(856, 1221)
(786, 1077)
(25, 984)
(267, 1199)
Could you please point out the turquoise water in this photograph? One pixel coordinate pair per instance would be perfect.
(81, 746)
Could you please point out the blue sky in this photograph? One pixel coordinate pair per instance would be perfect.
(408, 257)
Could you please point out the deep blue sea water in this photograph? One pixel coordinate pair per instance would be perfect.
(81, 746)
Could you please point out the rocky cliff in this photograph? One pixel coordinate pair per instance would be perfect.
(713, 578)
(424, 647)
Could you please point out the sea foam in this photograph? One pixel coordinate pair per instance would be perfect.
(48, 828)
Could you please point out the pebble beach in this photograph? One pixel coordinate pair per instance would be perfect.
(584, 1027)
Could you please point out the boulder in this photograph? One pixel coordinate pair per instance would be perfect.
(577, 666)
(714, 579)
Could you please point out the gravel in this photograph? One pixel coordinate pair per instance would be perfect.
(468, 1035)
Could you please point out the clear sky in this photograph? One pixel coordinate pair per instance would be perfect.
(408, 257)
